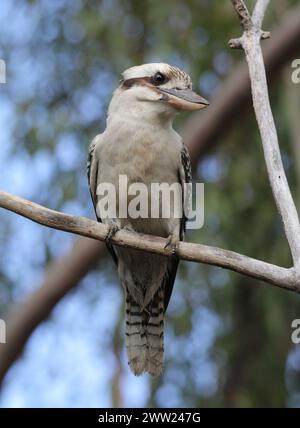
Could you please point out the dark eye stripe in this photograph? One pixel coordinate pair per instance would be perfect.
(142, 81)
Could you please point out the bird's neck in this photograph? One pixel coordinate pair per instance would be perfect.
(146, 114)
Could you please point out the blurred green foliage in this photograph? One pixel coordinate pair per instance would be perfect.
(228, 336)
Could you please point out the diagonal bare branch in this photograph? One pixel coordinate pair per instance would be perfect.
(272, 274)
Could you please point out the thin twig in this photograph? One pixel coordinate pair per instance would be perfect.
(243, 13)
(247, 22)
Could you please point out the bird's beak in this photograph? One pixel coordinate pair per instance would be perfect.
(184, 99)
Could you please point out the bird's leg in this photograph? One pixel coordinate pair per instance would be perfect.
(172, 244)
(113, 228)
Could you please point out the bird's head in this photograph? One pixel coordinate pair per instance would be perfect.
(157, 87)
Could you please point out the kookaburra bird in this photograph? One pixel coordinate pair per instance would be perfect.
(140, 143)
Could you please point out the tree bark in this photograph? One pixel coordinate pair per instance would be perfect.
(282, 277)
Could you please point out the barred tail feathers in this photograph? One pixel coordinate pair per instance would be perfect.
(136, 341)
(144, 334)
(155, 335)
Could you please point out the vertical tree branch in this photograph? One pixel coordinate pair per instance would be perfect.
(292, 112)
(259, 12)
(250, 41)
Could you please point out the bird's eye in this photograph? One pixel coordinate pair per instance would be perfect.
(159, 78)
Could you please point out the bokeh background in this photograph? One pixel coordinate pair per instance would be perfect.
(228, 337)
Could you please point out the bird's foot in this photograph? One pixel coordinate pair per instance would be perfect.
(113, 228)
(172, 245)
(129, 228)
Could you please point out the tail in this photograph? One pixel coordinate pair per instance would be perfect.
(145, 334)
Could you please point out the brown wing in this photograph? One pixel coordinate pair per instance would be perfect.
(184, 176)
(92, 174)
